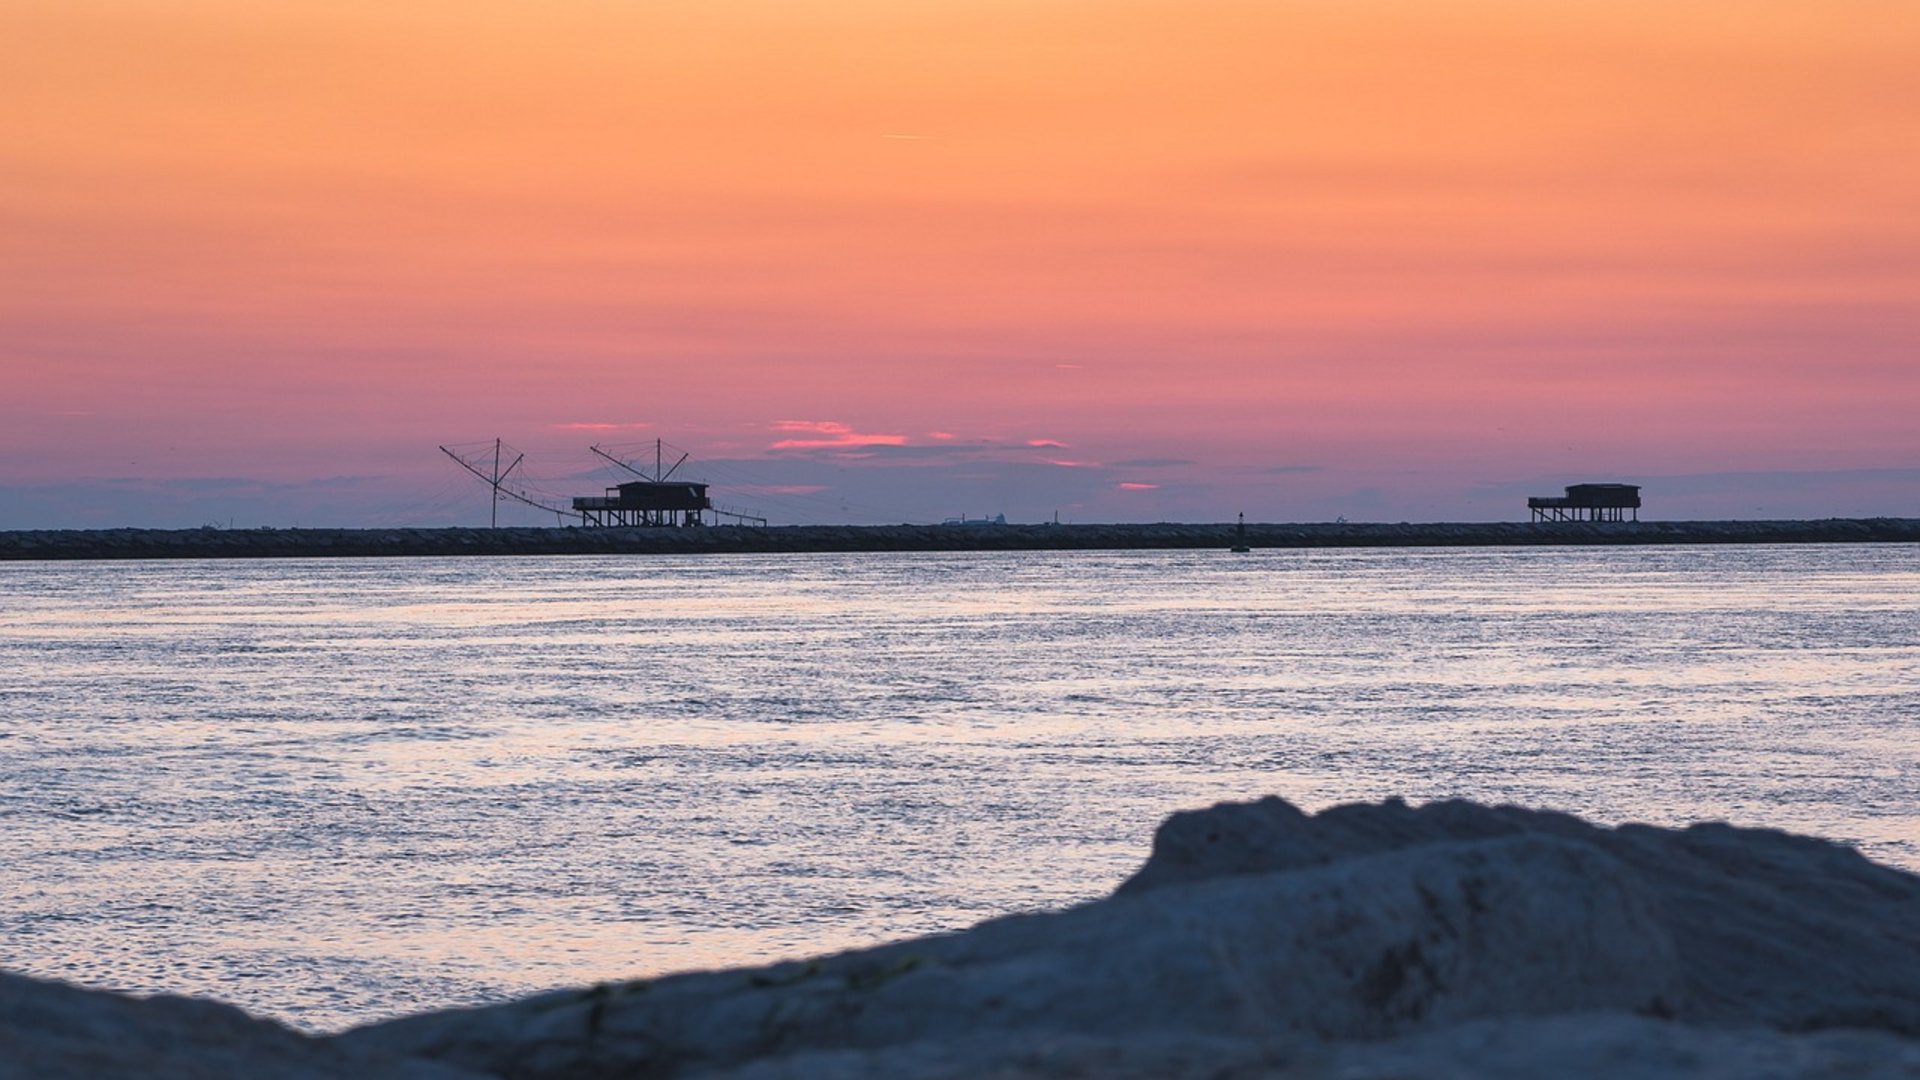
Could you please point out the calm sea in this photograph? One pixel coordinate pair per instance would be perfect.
(335, 791)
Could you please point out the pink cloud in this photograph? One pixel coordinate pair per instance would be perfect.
(1055, 444)
(1128, 485)
(777, 489)
(1068, 464)
(828, 435)
(943, 436)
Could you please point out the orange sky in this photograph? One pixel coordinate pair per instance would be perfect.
(1406, 245)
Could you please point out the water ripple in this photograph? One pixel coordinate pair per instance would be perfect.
(335, 791)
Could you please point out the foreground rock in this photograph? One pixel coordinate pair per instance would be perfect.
(1593, 1046)
(53, 1032)
(1446, 941)
(1769, 928)
(1256, 936)
(1359, 950)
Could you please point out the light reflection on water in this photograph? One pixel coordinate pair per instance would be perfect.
(334, 791)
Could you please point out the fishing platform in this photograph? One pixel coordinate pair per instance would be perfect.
(654, 500)
(650, 503)
(1589, 502)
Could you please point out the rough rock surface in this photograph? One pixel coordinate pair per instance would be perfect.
(1590, 1046)
(50, 1031)
(1365, 943)
(1255, 931)
(1362, 949)
(1770, 928)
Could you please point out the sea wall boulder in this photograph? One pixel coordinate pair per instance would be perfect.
(1447, 941)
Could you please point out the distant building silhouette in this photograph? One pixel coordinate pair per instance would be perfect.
(646, 502)
(1589, 502)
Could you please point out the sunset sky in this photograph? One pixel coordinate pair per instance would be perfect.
(890, 260)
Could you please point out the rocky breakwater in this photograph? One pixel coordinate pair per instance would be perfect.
(1376, 941)
(215, 543)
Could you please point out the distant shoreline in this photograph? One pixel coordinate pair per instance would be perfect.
(211, 543)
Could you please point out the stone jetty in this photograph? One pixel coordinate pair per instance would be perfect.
(1366, 942)
(214, 543)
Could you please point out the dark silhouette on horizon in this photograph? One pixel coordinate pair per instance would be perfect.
(1588, 502)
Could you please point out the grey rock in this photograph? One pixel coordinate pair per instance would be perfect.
(1773, 929)
(1602, 1046)
(1363, 949)
(51, 1031)
(1364, 943)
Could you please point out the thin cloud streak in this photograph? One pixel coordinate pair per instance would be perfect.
(830, 435)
